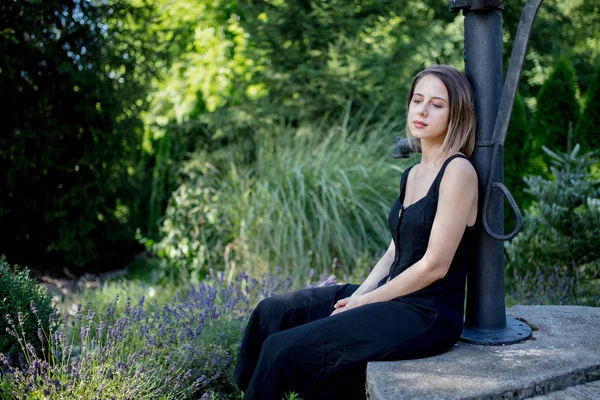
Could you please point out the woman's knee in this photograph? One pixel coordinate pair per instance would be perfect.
(282, 303)
(270, 306)
(274, 347)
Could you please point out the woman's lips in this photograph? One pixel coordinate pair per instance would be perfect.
(419, 124)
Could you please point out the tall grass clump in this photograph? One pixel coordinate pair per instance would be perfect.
(314, 199)
(182, 349)
(311, 197)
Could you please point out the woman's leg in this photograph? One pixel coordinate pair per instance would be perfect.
(327, 358)
(279, 313)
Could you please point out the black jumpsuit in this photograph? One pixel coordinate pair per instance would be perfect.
(292, 344)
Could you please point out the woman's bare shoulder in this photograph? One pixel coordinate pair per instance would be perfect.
(460, 170)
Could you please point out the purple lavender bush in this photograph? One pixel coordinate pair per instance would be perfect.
(184, 350)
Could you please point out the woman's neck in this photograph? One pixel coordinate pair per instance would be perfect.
(430, 152)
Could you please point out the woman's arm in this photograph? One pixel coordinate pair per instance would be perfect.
(457, 200)
(380, 270)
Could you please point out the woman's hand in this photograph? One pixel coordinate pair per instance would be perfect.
(349, 303)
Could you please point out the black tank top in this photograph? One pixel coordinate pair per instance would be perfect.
(410, 228)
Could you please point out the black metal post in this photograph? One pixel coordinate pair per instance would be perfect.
(486, 321)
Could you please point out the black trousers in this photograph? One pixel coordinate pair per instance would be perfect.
(292, 344)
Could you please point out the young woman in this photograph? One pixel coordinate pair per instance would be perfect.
(317, 342)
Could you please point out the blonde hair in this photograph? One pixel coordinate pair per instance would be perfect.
(462, 122)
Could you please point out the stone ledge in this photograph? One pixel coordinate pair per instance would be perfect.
(564, 352)
(586, 391)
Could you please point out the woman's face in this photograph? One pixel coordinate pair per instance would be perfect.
(429, 109)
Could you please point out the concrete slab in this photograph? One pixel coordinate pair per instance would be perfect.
(564, 351)
(586, 391)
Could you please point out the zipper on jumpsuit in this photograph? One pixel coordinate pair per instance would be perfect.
(393, 268)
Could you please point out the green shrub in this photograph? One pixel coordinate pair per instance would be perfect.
(21, 298)
(310, 198)
(559, 242)
(195, 229)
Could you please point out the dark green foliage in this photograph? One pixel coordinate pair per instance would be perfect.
(557, 110)
(561, 229)
(550, 287)
(170, 166)
(562, 28)
(195, 230)
(516, 156)
(17, 292)
(71, 90)
(580, 40)
(82, 163)
(314, 57)
(160, 187)
(588, 128)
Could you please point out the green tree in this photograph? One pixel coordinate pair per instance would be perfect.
(557, 111)
(550, 39)
(581, 40)
(73, 80)
(588, 128)
(313, 57)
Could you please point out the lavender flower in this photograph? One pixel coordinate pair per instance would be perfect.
(177, 351)
(32, 306)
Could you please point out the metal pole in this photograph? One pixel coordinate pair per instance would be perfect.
(486, 321)
(483, 67)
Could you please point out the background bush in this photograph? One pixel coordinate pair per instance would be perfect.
(557, 248)
(17, 293)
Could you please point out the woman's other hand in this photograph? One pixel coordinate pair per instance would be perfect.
(349, 303)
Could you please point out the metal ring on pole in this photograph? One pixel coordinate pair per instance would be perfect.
(513, 205)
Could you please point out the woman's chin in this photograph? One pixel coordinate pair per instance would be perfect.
(418, 135)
